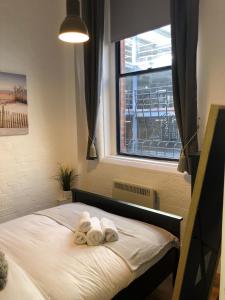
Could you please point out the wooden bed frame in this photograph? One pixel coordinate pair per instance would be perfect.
(146, 283)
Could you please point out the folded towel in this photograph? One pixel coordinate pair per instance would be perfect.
(80, 238)
(84, 222)
(109, 230)
(95, 235)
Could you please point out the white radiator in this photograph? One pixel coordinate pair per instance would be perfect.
(134, 193)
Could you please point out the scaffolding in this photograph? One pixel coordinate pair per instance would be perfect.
(151, 128)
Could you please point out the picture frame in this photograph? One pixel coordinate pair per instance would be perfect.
(13, 104)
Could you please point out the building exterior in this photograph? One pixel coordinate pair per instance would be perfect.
(148, 124)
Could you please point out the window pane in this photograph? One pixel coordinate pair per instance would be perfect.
(147, 119)
(151, 49)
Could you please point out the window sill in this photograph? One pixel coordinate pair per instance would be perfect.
(158, 165)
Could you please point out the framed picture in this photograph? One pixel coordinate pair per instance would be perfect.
(13, 104)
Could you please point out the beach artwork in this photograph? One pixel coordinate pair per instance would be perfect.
(13, 104)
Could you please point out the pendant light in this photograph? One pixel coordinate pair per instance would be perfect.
(73, 29)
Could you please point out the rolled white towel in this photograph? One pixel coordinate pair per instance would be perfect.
(95, 235)
(84, 222)
(109, 230)
(80, 238)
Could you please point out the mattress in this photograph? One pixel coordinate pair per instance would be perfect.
(45, 263)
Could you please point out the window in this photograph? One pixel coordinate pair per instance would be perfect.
(146, 122)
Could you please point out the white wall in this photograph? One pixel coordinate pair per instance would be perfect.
(211, 58)
(29, 45)
(173, 191)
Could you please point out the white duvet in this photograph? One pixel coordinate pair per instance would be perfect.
(45, 263)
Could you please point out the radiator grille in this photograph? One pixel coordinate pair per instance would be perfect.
(132, 188)
(134, 193)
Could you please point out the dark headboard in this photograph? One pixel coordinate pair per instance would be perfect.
(155, 217)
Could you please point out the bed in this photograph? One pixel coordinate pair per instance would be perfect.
(44, 262)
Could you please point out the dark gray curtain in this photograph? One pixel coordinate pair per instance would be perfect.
(184, 30)
(93, 15)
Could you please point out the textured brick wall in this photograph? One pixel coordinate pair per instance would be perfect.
(29, 45)
(172, 189)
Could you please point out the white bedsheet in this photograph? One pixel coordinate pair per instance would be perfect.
(44, 259)
(19, 285)
(138, 242)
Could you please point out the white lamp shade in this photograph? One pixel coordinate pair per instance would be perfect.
(73, 37)
(73, 30)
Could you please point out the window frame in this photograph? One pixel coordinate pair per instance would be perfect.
(118, 76)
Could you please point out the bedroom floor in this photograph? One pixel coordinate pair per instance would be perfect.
(164, 291)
